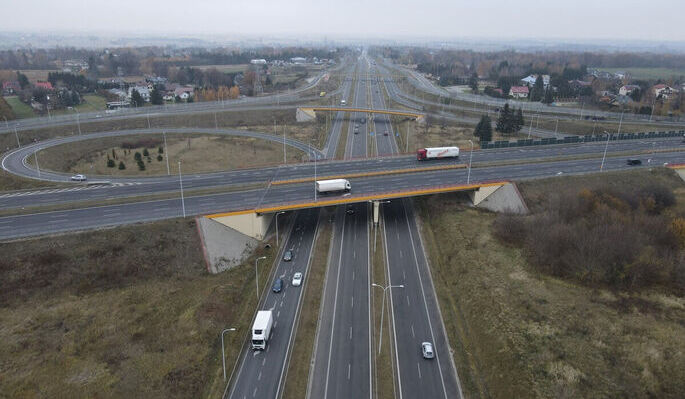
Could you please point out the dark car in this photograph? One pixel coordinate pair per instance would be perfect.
(350, 211)
(278, 285)
(288, 255)
(633, 162)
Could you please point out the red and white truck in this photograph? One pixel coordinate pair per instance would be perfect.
(437, 153)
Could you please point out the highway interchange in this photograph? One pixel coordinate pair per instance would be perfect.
(343, 360)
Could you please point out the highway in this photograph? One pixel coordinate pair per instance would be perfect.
(261, 374)
(264, 376)
(342, 362)
(414, 308)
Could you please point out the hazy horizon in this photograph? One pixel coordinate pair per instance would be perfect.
(400, 19)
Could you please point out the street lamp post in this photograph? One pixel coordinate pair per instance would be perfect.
(256, 275)
(180, 180)
(223, 353)
(166, 154)
(78, 121)
(468, 175)
(17, 136)
(605, 150)
(279, 213)
(380, 339)
(35, 154)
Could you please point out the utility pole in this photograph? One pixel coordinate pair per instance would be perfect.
(468, 176)
(180, 179)
(223, 352)
(605, 151)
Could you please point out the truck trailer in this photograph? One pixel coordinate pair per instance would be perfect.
(261, 329)
(437, 153)
(333, 186)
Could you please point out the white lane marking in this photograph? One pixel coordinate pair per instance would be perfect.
(412, 331)
(259, 377)
(419, 369)
(350, 333)
(401, 253)
(349, 369)
(264, 361)
(408, 300)
(278, 314)
(353, 302)
(352, 275)
(254, 393)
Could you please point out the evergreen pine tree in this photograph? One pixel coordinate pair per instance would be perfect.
(504, 121)
(518, 120)
(548, 96)
(484, 129)
(538, 89)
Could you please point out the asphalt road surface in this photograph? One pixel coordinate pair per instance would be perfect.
(261, 373)
(342, 361)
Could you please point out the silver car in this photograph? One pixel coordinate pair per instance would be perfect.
(427, 350)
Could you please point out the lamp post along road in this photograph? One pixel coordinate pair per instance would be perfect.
(223, 352)
(256, 275)
(605, 151)
(180, 180)
(380, 336)
(468, 175)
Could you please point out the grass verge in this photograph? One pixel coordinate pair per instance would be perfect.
(10, 182)
(125, 312)
(298, 369)
(384, 366)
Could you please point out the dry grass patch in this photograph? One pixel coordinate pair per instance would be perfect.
(126, 312)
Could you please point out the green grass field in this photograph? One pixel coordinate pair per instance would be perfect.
(649, 73)
(20, 109)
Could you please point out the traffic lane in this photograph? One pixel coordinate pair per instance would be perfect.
(417, 377)
(324, 335)
(260, 373)
(349, 368)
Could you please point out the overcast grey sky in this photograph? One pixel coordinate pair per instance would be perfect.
(500, 19)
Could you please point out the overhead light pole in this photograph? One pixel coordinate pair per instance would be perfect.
(468, 175)
(605, 151)
(256, 275)
(278, 213)
(223, 352)
(180, 180)
(380, 337)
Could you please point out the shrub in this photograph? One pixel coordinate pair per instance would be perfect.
(122, 166)
(616, 237)
(111, 163)
(159, 158)
(141, 165)
(137, 156)
(146, 153)
(160, 150)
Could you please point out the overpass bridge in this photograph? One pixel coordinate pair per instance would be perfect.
(311, 111)
(496, 195)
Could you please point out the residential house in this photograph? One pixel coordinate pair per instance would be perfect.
(144, 92)
(44, 85)
(518, 91)
(530, 80)
(258, 61)
(627, 90)
(298, 60)
(184, 93)
(10, 87)
(578, 85)
(664, 91)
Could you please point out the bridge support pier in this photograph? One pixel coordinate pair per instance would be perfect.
(504, 198)
(249, 223)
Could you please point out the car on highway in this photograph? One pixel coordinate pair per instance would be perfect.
(385, 133)
(356, 130)
(634, 162)
(288, 255)
(427, 350)
(79, 178)
(278, 285)
(297, 279)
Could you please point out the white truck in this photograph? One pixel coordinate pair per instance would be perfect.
(333, 186)
(261, 329)
(437, 153)
(343, 102)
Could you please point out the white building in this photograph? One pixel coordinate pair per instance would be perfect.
(258, 61)
(627, 90)
(298, 60)
(530, 80)
(144, 92)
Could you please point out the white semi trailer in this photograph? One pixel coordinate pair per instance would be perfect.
(437, 152)
(333, 186)
(261, 329)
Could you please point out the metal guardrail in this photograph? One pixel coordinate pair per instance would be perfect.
(579, 139)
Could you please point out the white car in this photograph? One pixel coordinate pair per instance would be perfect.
(297, 279)
(78, 178)
(427, 350)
